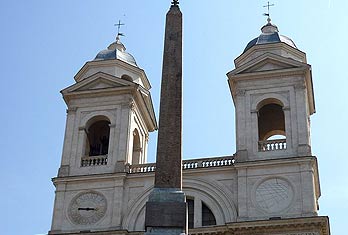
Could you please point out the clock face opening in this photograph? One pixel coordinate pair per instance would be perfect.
(87, 208)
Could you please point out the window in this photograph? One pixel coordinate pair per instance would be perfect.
(96, 146)
(208, 217)
(271, 126)
(126, 77)
(98, 138)
(136, 156)
(271, 121)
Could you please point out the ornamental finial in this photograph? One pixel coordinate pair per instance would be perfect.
(175, 2)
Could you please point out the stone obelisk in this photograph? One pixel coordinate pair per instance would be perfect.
(166, 208)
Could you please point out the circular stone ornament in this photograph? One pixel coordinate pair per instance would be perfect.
(274, 195)
(87, 208)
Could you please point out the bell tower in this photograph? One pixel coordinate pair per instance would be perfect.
(270, 186)
(272, 90)
(109, 117)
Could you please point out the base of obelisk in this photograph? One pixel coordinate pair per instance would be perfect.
(166, 212)
(164, 231)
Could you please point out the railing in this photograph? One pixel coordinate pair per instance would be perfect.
(94, 160)
(142, 168)
(208, 162)
(187, 164)
(272, 145)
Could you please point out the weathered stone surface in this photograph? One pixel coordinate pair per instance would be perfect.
(254, 83)
(169, 149)
(164, 231)
(165, 214)
(318, 225)
(166, 208)
(166, 195)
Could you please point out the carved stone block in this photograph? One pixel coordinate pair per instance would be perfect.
(165, 214)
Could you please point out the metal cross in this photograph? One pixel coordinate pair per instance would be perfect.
(268, 5)
(175, 2)
(119, 24)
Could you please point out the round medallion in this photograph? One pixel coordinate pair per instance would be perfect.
(274, 195)
(87, 208)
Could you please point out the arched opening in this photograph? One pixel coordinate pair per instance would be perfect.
(271, 126)
(98, 138)
(97, 142)
(126, 77)
(208, 218)
(276, 137)
(136, 155)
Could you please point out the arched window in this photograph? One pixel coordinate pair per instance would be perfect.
(136, 155)
(98, 138)
(271, 126)
(126, 77)
(206, 215)
(208, 218)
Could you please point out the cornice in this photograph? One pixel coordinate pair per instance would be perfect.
(279, 161)
(98, 93)
(88, 232)
(297, 226)
(269, 74)
(88, 178)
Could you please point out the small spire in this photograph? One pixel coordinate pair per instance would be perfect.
(175, 2)
(268, 14)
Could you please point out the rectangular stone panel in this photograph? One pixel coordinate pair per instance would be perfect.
(165, 214)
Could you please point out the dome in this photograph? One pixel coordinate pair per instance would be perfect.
(270, 34)
(116, 50)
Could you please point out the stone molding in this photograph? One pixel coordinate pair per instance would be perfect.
(240, 92)
(87, 232)
(300, 86)
(318, 225)
(63, 171)
(71, 110)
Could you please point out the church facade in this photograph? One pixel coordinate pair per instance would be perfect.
(269, 186)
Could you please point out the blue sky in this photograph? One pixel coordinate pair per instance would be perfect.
(45, 43)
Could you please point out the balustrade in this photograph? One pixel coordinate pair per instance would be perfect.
(142, 168)
(272, 145)
(94, 160)
(187, 164)
(151, 167)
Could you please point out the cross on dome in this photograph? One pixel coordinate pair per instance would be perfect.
(119, 24)
(268, 14)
